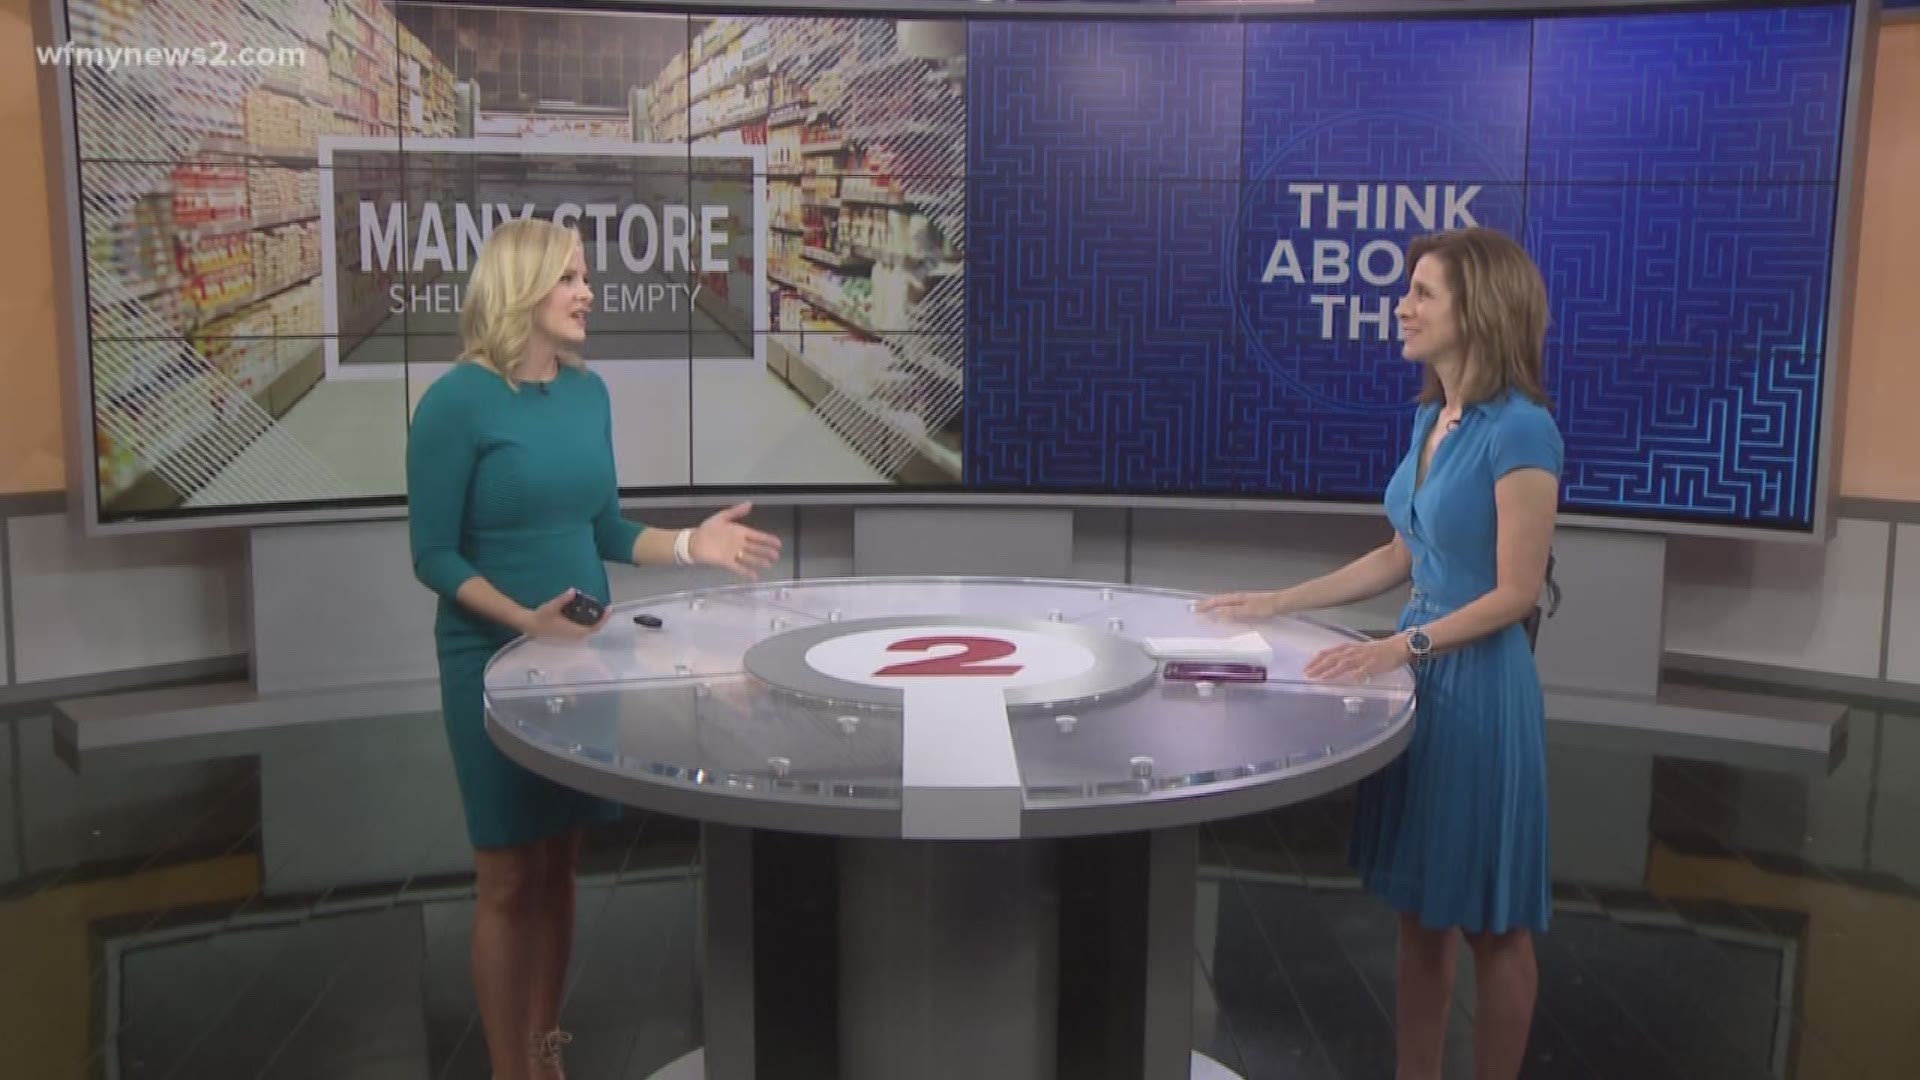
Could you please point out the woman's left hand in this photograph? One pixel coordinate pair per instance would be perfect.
(1358, 660)
(723, 542)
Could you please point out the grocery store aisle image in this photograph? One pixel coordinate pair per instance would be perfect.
(819, 342)
(751, 425)
(678, 419)
(747, 423)
(356, 426)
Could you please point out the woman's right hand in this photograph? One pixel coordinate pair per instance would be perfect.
(1242, 605)
(545, 623)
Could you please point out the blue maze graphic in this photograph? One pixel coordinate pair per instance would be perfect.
(1674, 174)
(1748, 95)
(1686, 345)
(1386, 101)
(1059, 100)
(1099, 325)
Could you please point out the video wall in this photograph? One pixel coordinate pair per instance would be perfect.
(1151, 256)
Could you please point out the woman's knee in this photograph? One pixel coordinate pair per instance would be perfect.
(1425, 940)
(509, 879)
(1505, 943)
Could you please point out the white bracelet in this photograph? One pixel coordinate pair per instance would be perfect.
(683, 548)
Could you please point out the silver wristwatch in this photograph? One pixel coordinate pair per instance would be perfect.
(1419, 644)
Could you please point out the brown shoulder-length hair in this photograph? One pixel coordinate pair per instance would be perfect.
(1502, 302)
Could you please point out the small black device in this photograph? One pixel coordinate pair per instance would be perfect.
(584, 610)
(652, 622)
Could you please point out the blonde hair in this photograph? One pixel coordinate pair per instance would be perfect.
(1502, 303)
(518, 266)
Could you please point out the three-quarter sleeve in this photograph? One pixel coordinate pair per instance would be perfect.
(613, 535)
(1527, 438)
(442, 445)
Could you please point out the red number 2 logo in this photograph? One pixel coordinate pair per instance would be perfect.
(972, 660)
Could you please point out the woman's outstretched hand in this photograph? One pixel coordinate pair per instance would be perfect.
(722, 541)
(1241, 605)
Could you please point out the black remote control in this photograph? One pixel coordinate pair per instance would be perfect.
(584, 609)
(649, 621)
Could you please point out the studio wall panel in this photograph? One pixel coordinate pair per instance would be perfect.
(1810, 607)
(823, 536)
(6, 623)
(1838, 811)
(1209, 552)
(1896, 846)
(1605, 637)
(1903, 623)
(1100, 544)
(937, 541)
(337, 606)
(11, 868)
(88, 606)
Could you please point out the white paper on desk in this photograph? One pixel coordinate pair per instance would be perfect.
(1249, 647)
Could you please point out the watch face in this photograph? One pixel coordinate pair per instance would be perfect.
(1419, 642)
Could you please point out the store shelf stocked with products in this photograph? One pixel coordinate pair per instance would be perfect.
(864, 251)
(364, 62)
(581, 123)
(662, 116)
(203, 224)
(427, 89)
(133, 287)
(727, 83)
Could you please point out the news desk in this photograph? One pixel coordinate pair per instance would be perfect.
(963, 811)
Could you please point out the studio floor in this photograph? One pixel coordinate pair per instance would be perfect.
(296, 904)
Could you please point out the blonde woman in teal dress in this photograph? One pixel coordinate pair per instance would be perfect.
(513, 508)
(1453, 834)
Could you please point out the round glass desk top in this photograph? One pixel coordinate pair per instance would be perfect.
(940, 708)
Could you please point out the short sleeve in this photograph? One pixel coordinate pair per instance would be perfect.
(613, 534)
(1527, 438)
(441, 447)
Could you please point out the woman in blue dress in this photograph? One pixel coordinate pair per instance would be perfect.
(1453, 834)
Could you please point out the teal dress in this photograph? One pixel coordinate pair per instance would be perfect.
(517, 487)
(1454, 831)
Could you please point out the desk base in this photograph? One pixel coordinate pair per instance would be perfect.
(1070, 959)
(694, 1067)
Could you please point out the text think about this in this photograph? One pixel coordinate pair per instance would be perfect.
(1354, 210)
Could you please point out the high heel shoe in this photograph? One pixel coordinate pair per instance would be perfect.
(547, 1048)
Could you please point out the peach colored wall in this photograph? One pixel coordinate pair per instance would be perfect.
(1880, 446)
(32, 457)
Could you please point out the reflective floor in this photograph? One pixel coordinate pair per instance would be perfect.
(297, 905)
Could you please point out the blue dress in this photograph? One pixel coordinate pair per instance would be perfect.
(1454, 831)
